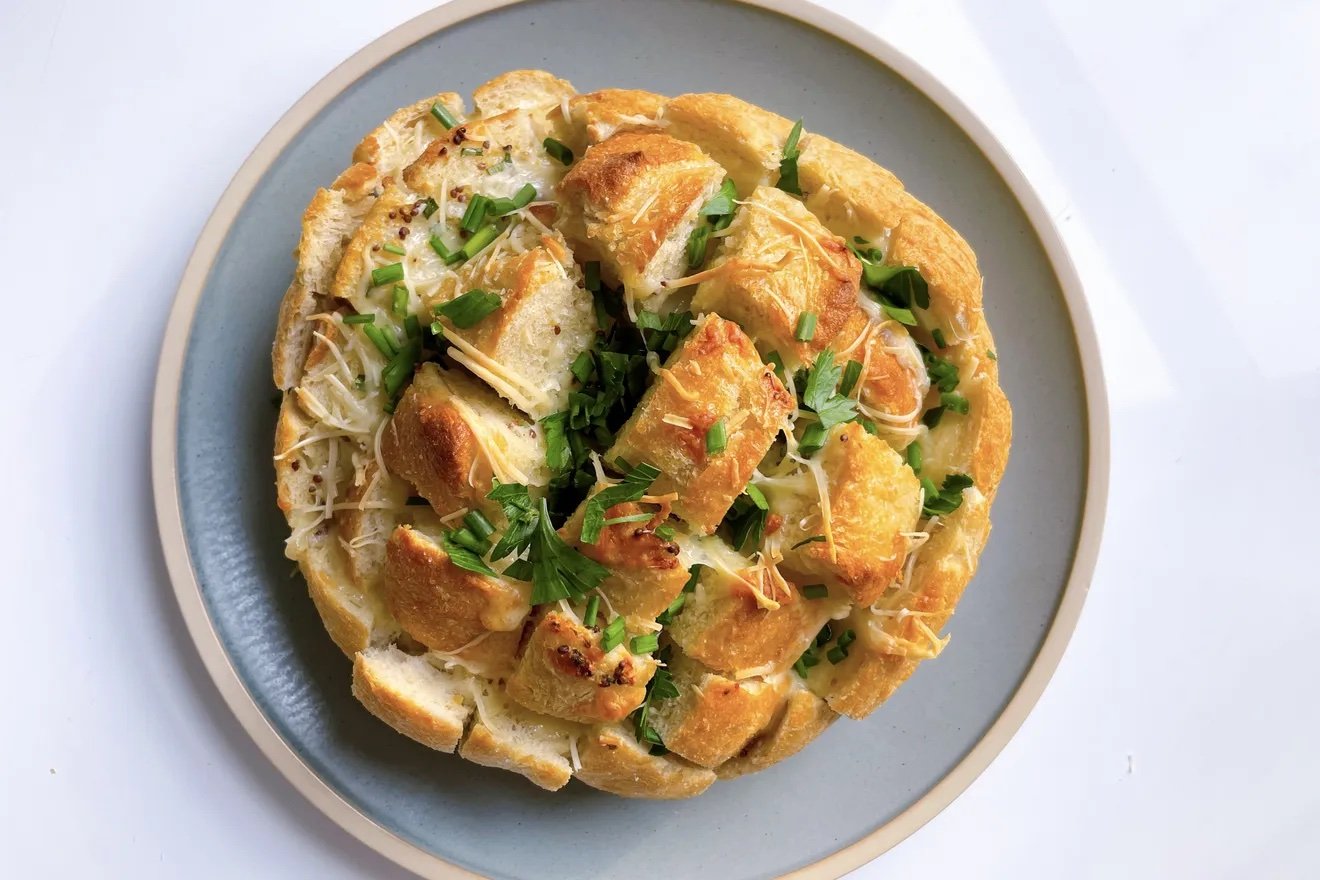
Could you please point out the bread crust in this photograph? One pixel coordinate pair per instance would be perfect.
(643, 165)
(613, 761)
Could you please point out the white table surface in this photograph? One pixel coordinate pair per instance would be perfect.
(1178, 146)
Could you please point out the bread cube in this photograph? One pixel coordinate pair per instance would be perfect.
(563, 672)
(632, 201)
(861, 497)
(743, 618)
(525, 348)
(449, 609)
(645, 572)
(713, 716)
(450, 435)
(714, 376)
(778, 263)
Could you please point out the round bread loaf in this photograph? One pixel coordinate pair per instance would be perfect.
(630, 438)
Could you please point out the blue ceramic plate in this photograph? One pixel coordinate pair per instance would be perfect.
(863, 785)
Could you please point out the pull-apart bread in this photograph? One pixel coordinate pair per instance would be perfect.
(630, 438)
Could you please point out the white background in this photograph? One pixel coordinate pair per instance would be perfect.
(1178, 147)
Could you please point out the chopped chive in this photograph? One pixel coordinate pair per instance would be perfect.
(442, 114)
(387, 274)
(593, 607)
(694, 575)
(806, 327)
(632, 517)
(438, 245)
(837, 655)
(954, 402)
(665, 532)
(474, 213)
(644, 644)
(429, 207)
(400, 304)
(815, 591)
(359, 319)
(465, 537)
(851, 374)
(380, 340)
(480, 240)
(932, 417)
(990, 353)
(667, 616)
(498, 166)
(478, 523)
(591, 271)
(471, 151)
(913, 456)
(869, 426)
(393, 248)
(470, 308)
(613, 635)
(583, 366)
(846, 638)
(696, 246)
(938, 335)
(412, 328)
(823, 637)
(788, 167)
(389, 406)
(717, 438)
(812, 439)
(814, 539)
(558, 150)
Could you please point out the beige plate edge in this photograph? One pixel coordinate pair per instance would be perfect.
(170, 374)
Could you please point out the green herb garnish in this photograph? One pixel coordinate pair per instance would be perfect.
(360, 319)
(470, 308)
(442, 114)
(815, 591)
(947, 498)
(788, 167)
(558, 150)
(806, 327)
(634, 485)
(746, 519)
(386, 274)
(717, 438)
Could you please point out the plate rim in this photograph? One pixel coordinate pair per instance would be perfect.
(169, 380)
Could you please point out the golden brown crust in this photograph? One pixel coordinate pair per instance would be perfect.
(563, 672)
(778, 263)
(598, 115)
(381, 149)
(645, 574)
(716, 374)
(803, 717)
(448, 608)
(713, 717)
(613, 761)
(520, 90)
(633, 199)
(873, 500)
(747, 140)
(728, 628)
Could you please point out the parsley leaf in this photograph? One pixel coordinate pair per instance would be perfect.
(821, 394)
(465, 558)
(634, 486)
(949, 497)
(747, 518)
(660, 687)
(943, 373)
